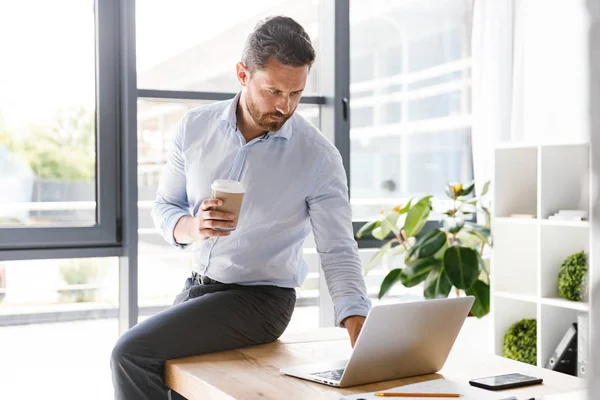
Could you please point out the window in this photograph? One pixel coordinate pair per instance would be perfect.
(58, 128)
(58, 318)
(410, 91)
(47, 127)
(163, 269)
(182, 46)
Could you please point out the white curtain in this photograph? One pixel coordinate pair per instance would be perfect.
(530, 78)
(497, 81)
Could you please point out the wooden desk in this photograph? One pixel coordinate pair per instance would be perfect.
(253, 372)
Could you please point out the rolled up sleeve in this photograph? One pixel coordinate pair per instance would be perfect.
(331, 218)
(171, 202)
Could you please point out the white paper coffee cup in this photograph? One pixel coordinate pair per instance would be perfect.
(232, 193)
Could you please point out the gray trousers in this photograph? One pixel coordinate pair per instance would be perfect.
(204, 319)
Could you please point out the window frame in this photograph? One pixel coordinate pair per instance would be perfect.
(39, 241)
(116, 233)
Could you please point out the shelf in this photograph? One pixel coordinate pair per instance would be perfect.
(515, 145)
(552, 325)
(515, 258)
(564, 303)
(515, 180)
(525, 221)
(558, 222)
(557, 242)
(540, 180)
(563, 145)
(543, 222)
(516, 296)
(564, 179)
(554, 301)
(507, 311)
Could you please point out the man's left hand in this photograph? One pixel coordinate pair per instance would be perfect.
(354, 325)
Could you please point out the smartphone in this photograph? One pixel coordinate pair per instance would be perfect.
(501, 382)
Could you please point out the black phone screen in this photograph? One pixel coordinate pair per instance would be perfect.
(505, 381)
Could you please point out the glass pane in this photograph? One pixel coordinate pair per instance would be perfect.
(410, 88)
(183, 45)
(163, 269)
(58, 318)
(47, 111)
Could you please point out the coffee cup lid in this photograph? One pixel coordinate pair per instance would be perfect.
(227, 186)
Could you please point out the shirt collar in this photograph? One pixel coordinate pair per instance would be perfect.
(229, 116)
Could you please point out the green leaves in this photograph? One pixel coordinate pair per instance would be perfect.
(440, 258)
(486, 187)
(391, 278)
(481, 291)
(456, 190)
(467, 239)
(418, 270)
(437, 284)
(382, 227)
(428, 244)
(377, 257)
(467, 191)
(483, 233)
(453, 224)
(367, 228)
(462, 266)
(520, 341)
(417, 216)
(386, 225)
(405, 209)
(572, 277)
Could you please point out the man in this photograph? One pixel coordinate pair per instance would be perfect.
(241, 291)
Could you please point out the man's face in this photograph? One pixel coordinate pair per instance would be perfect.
(273, 93)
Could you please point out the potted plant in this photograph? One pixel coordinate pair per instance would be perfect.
(572, 277)
(443, 257)
(520, 342)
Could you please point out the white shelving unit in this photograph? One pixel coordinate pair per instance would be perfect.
(537, 180)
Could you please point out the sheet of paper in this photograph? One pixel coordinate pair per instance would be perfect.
(581, 395)
(467, 391)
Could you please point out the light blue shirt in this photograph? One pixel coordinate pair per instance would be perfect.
(294, 179)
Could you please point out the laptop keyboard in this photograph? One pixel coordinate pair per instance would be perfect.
(334, 375)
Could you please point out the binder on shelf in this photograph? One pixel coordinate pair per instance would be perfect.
(582, 345)
(564, 358)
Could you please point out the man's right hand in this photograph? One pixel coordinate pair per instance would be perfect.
(202, 226)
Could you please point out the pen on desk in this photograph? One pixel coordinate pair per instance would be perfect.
(392, 394)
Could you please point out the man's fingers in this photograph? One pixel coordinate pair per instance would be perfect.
(214, 223)
(217, 215)
(212, 233)
(210, 203)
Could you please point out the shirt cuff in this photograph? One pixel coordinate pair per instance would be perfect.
(169, 228)
(347, 306)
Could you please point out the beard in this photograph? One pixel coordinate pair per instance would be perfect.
(264, 120)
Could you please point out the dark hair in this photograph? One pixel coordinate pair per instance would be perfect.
(281, 38)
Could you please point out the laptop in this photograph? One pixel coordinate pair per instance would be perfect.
(396, 341)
